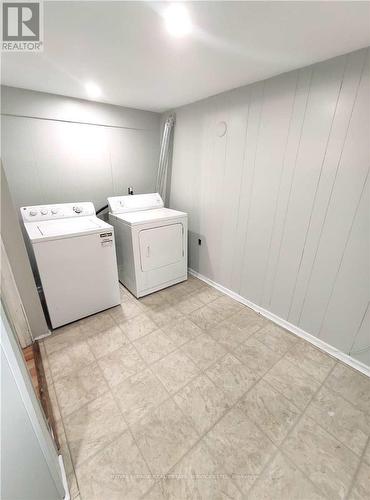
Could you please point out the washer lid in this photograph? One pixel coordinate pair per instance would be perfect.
(146, 216)
(64, 228)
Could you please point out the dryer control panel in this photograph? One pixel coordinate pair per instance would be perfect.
(57, 211)
(134, 203)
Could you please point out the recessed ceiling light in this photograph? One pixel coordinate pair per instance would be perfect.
(177, 20)
(93, 90)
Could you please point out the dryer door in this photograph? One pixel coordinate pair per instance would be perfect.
(161, 246)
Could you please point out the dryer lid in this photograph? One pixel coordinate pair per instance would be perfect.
(134, 203)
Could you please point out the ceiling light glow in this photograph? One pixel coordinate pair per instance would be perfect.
(177, 20)
(93, 90)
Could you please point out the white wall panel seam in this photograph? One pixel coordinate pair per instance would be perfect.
(222, 221)
(287, 175)
(347, 99)
(252, 184)
(358, 330)
(243, 169)
(317, 187)
(325, 87)
(290, 189)
(331, 195)
(28, 117)
(235, 223)
(279, 187)
(242, 221)
(36, 163)
(287, 180)
(343, 253)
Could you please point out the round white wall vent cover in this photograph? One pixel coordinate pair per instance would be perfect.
(221, 129)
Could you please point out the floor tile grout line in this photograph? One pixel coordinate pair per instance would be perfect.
(143, 308)
(203, 331)
(343, 397)
(99, 450)
(201, 436)
(82, 340)
(305, 409)
(304, 343)
(151, 364)
(360, 463)
(304, 414)
(170, 304)
(170, 398)
(280, 447)
(176, 347)
(359, 456)
(301, 411)
(129, 341)
(132, 341)
(203, 371)
(63, 425)
(128, 429)
(132, 435)
(171, 395)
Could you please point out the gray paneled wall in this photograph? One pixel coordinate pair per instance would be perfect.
(281, 201)
(57, 149)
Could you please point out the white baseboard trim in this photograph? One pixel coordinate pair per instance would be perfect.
(43, 336)
(348, 360)
(64, 478)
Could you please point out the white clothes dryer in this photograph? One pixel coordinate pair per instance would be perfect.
(151, 242)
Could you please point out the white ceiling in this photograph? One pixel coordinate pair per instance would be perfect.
(124, 48)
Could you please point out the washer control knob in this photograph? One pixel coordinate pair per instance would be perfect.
(44, 211)
(77, 210)
(33, 213)
(54, 211)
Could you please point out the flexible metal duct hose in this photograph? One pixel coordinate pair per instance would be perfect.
(164, 157)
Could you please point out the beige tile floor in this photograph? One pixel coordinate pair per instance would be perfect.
(187, 394)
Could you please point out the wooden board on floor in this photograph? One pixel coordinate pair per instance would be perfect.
(35, 367)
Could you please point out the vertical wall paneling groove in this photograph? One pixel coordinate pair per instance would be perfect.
(265, 280)
(289, 165)
(343, 315)
(349, 183)
(280, 201)
(274, 125)
(231, 189)
(254, 120)
(213, 174)
(360, 347)
(333, 155)
(315, 198)
(325, 86)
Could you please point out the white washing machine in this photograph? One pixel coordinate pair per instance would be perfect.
(151, 242)
(76, 259)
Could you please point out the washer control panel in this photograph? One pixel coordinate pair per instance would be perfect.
(134, 203)
(59, 211)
